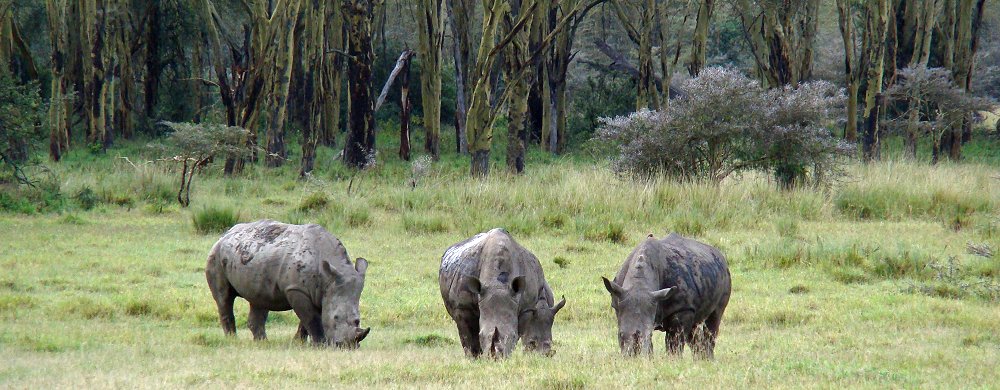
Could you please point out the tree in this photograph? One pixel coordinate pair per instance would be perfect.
(781, 36)
(961, 25)
(322, 28)
(359, 148)
(515, 69)
(873, 64)
(194, 146)
(934, 105)
(700, 40)
(276, 41)
(461, 16)
(646, 12)
(431, 38)
(556, 26)
(865, 70)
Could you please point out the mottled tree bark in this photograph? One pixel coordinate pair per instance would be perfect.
(431, 39)
(460, 15)
(515, 64)
(876, 31)
(851, 69)
(404, 112)
(699, 42)
(781, 36)
(59, 109)
(282, 26)
(359, 149)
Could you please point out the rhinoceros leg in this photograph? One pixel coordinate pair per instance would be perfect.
(706, 340)
(256, 321)
(224, 295)
(679, 333)
(468, 331)
(308, 315)
(302, 333)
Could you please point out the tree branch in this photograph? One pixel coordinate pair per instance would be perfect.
(404, 58)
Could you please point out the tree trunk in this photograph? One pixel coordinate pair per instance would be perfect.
(515, 62)
(59, 112)
(404, 112)
(480, 121)
(154, 67)
(699, 42)
(284, 58)
(876, 30)
(851, 68)
(431, 37)
(460, 14)
(359, 149)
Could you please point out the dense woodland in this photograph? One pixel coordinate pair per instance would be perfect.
(332, 74)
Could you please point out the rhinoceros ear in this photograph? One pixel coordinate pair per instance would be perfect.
(662, 295)
(331, 271)
(361, 265)
(472, 283)
(559, 305)
(615, 290)
(518, 285)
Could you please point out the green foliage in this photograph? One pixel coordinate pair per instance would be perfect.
(214, 219)
(602, 96)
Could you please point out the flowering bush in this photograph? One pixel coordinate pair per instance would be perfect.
(728, 123)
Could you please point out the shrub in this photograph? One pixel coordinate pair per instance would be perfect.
(727, 123)
(86, 198)
(214, 219)
(357, 216)
(194, 146)
(313, 202)
(612, 232)
(20, 112)
(421, 223)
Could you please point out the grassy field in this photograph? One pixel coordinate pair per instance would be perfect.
(868, 283)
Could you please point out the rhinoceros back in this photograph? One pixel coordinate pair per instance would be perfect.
(262, 259)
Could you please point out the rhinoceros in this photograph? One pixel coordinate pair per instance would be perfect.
(496, 292)
(279, 267)
(671, 285)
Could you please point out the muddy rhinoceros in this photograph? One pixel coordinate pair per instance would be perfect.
(496, 292)
(671, 285)
(278, 267)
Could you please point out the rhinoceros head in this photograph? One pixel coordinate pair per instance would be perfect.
(535, 326)
(498, 309)
(635, 308)
(340, 315)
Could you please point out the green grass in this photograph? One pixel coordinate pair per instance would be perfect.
(865, 284)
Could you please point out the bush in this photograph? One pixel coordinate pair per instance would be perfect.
(86, 198)
(21, 110)
(420, 223)
(194, 146)
(313, 202)
(727, 123)
(214, 219)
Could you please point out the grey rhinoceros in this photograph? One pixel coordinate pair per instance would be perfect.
(671, 285)
(496, 292)
(279, 267)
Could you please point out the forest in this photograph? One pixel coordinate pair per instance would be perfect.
(843, 155)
